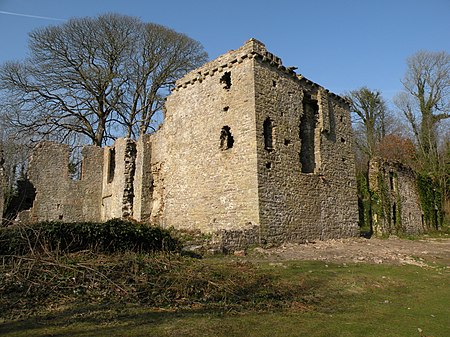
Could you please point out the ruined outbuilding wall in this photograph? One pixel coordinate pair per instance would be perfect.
(58, 197)
(396, 205)
(143, 181)
(118, 179)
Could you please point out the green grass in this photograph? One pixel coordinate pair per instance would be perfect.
(327, 300)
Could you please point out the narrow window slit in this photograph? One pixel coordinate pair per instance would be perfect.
(268, 134)
(394, 213)
(111, 164)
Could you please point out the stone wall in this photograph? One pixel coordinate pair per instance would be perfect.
(118, 179)
(143, 181)
(307, 187)
(204, 157)
(58, 197)
(396, 205)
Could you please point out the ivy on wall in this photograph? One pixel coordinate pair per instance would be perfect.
(381, 201)
(431, 200)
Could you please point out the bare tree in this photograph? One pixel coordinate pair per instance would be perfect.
(94, 76)
(425, 101)
(161, 57)
(370, 114)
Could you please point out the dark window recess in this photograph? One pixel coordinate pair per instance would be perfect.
(111, 164)
(226, 138)
(308, 124)
(342, 140)
(226, 108)
(226, 80)
(274, 84)
(268, 134)
(287, 142)
(436, 219)
(22, 200)
(391, 180)
(394, 213)
(269, 165)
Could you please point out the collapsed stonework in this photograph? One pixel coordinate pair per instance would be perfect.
(396, 205)
(249, 151)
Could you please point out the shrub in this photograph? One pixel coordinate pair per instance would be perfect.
(112, 236)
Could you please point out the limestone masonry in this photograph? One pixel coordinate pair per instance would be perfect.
(249, 151)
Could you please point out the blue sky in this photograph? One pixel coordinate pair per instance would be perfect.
(341, 45)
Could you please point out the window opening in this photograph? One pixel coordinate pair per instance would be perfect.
(274, 83)
(226, 138)
(287, 142)
(394, 213)
(268, 134)
(308, 124)
(436, 219)
(269, 165)
(111, 164)
(226, 108)
(226, 80)
(391, 180)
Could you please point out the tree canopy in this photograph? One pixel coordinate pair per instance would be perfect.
(98, 78)
(369, 111)
(425, 101)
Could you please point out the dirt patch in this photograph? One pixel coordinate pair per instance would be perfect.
(423, 252)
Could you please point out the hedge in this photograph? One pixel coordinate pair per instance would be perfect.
(115, 235)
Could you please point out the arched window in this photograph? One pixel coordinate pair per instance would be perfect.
(226, 138)
(268, 134)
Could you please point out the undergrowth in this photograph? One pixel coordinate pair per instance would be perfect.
(51, 264)
(115, 235)
(32, 283)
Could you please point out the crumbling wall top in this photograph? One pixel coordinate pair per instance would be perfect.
(252, 49)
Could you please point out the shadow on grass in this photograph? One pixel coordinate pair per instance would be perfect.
(101, 320)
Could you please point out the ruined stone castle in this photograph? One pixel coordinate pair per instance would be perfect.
(248, 150)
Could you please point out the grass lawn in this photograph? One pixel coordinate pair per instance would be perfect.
(336, 300)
